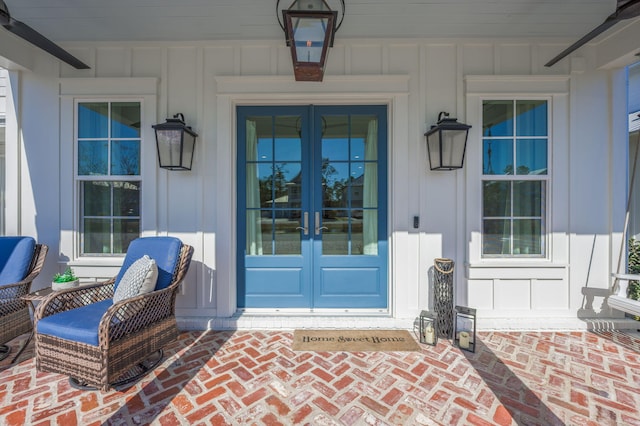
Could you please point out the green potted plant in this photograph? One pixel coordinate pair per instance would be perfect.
(633, 292)
(65, 280)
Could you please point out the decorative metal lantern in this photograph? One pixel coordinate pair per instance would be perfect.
(447, 143)
(175, 142)
(465, 335)
(309, 26)
(428, 328)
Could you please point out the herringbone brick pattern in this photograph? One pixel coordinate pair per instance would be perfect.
(254, 378)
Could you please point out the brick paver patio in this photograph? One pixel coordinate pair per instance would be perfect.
(254, 378)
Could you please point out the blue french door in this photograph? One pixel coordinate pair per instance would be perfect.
(312, 207)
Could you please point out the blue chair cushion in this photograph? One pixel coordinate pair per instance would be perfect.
(77, 325)
(15, 257)
(164, 250)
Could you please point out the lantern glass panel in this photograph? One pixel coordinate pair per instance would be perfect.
(309, 36)
(433, 146)
(465, 335)
(169, 146)
(189, 146)
(453, 142)
(428, 332)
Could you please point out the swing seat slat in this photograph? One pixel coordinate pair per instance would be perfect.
(618, 299)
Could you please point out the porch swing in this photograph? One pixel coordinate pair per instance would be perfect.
(619, 298)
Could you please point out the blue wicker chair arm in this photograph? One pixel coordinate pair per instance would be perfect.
(71, 298)
(134, 314)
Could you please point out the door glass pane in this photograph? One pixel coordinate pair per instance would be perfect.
(349, 184)
(273, 185)
(287, 237)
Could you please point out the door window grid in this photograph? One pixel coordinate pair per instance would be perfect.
(108, 145)
(515, 178)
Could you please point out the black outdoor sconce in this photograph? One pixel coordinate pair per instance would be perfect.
(175, 142)
(447, 143)
(309, 27)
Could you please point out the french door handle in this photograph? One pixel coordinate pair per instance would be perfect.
(305, 228)
(318, 227)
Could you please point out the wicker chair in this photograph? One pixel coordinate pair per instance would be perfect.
(26, 259)
(83, 334)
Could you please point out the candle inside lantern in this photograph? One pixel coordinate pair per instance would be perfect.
(429, 334)
(463, 340)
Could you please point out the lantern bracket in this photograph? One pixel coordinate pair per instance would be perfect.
(282, 23)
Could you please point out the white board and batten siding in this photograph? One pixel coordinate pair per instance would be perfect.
(417, 78)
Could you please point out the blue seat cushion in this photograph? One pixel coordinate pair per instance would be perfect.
(15, 257)
(164, 250)
(78, 325)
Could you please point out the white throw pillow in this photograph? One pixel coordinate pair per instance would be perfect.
(139, 278)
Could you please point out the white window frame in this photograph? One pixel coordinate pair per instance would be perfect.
(554, 89)
(546, 178)
(77, 90)
(109, 178)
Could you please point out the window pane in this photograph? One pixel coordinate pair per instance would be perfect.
(96, 196)
(497, 118)
(531, 155)
(527, 236)
(125, 120)
(286, 181)
(531, 118)
(124, 231)
(497, 157)
(125, 158)
(126, 198)
(496, 198)
(527, 198)
(287, 138)
(93, 157)
(97, 236)
(335, 240)
(496, 235)
(93, 120)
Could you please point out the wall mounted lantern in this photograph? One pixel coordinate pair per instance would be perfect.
(309, 27)
(176, 143)
(465, 335)
(447, 143)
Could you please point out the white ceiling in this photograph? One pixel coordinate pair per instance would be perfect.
(177, 20)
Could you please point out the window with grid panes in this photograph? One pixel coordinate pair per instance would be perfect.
(108, 173)
(515, 177)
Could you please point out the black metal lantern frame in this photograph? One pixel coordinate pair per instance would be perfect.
(310, 27)
(175, 142)
(447, 143)
(428, 328)
(465, 334)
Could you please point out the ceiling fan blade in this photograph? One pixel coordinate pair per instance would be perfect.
(32, 36)
(608, 23)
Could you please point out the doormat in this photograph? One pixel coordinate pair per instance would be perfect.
(354, 340)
